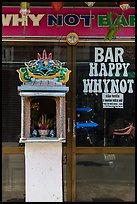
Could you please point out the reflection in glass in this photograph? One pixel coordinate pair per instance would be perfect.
(108, 177)
(13, 178)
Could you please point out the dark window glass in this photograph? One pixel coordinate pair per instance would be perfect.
(105, 118)
(10, 104)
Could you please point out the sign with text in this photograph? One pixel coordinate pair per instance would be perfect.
(112, 100)
(83, 21)
(109, 75)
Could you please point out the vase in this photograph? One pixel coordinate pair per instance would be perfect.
(44, 132)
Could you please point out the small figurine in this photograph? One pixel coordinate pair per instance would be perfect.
(52, 133)
(34, 133)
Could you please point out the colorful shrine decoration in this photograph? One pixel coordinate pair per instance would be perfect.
(44, 68)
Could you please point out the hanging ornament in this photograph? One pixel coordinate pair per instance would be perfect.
(57, 5)
(124, 5)
(90, 4)
(24, 11)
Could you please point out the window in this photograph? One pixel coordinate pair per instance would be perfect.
(105, 97)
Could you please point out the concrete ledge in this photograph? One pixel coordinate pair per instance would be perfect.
(41, 140)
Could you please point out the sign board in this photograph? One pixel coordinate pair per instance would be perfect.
(45, 22)
(112, 100)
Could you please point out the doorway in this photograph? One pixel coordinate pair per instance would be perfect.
(95, 155)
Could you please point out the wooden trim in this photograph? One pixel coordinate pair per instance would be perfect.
(64, 150)
(12, 150)
(69, 133)
(79, 150)
(103, 43)
(62, 40)
(33, 42)
(105, 150)
(73, 186)
(20, 150)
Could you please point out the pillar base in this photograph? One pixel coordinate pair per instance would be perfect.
(43, 166)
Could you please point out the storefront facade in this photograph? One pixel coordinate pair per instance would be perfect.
(98, 156)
